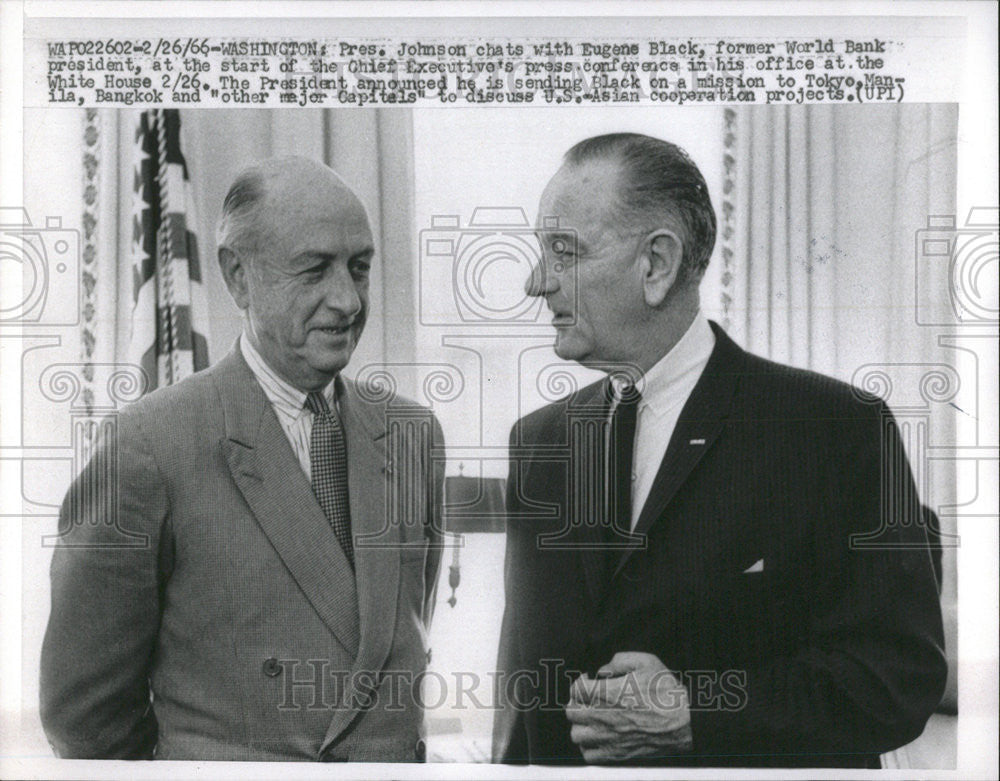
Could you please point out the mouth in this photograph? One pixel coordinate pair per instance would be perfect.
(562, 318)
(334, 330)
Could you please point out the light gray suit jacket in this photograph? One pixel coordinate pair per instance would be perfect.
(202, 607)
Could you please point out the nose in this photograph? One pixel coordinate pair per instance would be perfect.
(541, 281)
(341, 292)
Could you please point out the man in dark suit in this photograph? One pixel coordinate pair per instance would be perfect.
(686, 576)
(279, 606)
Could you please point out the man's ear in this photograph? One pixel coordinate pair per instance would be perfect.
(234, 272)
(664, 251)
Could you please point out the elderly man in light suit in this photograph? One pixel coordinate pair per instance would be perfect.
(280, 608)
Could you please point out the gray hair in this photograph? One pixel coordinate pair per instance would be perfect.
(659, 180)
(237, 228)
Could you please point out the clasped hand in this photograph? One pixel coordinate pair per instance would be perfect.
(635, 708)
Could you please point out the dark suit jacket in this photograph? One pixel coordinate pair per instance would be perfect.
(202, 607)
(829, 656)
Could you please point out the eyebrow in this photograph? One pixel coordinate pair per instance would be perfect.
(329, 257)
(556, 234)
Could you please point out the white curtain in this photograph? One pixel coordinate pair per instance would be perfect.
(826, 208)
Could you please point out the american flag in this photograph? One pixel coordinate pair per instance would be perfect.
(169, 312)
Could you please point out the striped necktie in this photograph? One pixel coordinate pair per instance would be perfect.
(328, 456)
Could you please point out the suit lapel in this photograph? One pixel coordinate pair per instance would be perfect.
(376, 545)
(700, 423)
(377, 538)
(269, 476)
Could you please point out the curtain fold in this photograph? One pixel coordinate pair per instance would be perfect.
(829, 203)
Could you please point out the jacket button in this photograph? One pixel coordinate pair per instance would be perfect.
(272, 667)
(420, 750)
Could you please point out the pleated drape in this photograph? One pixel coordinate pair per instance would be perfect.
(829, 207)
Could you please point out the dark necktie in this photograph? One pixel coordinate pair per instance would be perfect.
(620, 445)
(328, 456)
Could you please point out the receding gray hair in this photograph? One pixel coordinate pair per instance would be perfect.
(237, 227)
(658, 180)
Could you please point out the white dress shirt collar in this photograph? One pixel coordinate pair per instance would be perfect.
(665, 389)
(671, 379)
(287, 400)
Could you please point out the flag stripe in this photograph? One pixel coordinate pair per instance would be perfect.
(175, 227)
(175, 322)
(169, 316)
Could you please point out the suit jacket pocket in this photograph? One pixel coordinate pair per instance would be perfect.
(758, 614)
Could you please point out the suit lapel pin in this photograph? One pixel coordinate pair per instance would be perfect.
(697, 442)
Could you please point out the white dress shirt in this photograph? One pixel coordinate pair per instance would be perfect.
(665, 390)
(288, 403)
